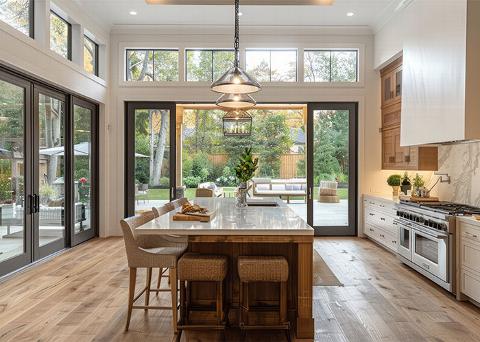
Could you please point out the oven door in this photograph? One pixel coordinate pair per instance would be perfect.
(430, 252)
(404, 240)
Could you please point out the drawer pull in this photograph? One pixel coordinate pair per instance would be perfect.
(382, 218)
(370, 229)
(426, 266)
(472, 235)
(381, 235)
(371, 214)
(394, 241)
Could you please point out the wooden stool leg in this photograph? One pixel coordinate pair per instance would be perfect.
(219, 304)
(240, 299)
(246, 304)
(187, 302)
(173, 289)
(159, 280)
(283, 302)
(131, 294)
(148, 284)
(182, 301)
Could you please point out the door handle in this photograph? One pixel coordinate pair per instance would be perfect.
(31, 204)
(172, 193)
(37, 203)
(310, 193)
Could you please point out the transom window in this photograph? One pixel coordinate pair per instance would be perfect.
(90, 56)
(272, 65)
(207, 65)
(60, 36)
(18, 14)
(151, 65)
(331, 66)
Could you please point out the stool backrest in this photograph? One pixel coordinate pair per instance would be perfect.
(128, 228)
(159, 211)
(204, 193)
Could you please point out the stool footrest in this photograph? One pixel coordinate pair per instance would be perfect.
(201, 327)
(285, 326)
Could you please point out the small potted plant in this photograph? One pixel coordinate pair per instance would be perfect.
(406, 183)
(418, 185)
(394, 181)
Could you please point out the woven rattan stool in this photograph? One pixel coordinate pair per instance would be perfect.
(194, 267)
(273, 269)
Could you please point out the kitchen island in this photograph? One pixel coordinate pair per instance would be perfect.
(255, 230)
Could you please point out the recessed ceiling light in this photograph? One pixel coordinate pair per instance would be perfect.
(350, 14)
(132, 12)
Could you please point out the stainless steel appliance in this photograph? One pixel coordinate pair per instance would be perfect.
(427, 238)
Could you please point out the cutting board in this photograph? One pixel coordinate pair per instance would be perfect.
(419, 199)
(194, 217)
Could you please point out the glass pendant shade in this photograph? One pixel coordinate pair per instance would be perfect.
(236, 101)
(235, 81)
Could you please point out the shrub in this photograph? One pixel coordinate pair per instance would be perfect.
(192, 181)
(5, 187)
(164, 182)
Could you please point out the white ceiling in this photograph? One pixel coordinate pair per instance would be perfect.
(116, 12)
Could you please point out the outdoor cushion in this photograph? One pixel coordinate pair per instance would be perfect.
(278, 187)
(280, 193)
(293, 187)
(262, 180)
(263, 187)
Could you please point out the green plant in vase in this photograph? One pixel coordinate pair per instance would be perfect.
(406, 183)
(394, 181)
(418, 184)
(245, 170)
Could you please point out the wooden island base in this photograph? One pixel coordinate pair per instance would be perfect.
(299, 252)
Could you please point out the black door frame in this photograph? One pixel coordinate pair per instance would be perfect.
(351, 229)
(130, 108)
(85, 235)
(25, 258)
(57, 245)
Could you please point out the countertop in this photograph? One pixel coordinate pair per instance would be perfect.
(468, 219)
(383, 197)
(230, 220)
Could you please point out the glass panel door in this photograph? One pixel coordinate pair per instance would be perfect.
(49, 165)
(15, 231)
(332, 168)
(84, 166)
(150, 155)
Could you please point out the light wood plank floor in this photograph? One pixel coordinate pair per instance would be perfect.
(81, 295)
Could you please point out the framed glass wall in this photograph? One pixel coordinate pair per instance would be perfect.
(48, 170)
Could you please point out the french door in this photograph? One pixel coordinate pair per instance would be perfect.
(150, 165)
(332, 167)
(48, 176)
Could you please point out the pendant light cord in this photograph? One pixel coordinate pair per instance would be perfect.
(237, 33)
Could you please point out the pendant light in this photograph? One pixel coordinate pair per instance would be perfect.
(236, 101)
(237, 123)
(236, 80)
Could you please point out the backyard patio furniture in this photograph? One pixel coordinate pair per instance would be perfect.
(141, 192)
(283, 188)
(328, 192)
(217, 192)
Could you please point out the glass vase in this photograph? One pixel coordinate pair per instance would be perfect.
(241, 196)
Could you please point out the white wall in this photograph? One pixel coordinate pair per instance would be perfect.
(33, 57)
(218, 37)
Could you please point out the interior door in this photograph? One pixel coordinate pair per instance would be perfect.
(332, 167)
(84, 167)
(15, 163)
(50, 195)
(150, 155)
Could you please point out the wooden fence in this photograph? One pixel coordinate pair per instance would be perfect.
(288, 163)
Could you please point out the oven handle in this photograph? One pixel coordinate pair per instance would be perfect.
(435, 236)
(410, 225)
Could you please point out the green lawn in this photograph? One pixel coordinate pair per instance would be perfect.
(163, 194)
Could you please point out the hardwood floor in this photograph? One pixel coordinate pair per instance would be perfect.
(81, 295)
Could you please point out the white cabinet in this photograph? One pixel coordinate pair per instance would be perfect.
(379, 221)
(468, 256)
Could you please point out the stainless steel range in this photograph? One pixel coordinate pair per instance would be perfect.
(427, 238)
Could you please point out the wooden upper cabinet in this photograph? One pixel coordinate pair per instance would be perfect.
(392, 83)
(395, 156)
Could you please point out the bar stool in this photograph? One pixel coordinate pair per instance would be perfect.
(273, 269)
(193, 267)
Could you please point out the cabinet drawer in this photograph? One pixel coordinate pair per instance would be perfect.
(470, 255)
(380, 206)
(470, 285)
(391, 241)
(371, 231)
(470, 232)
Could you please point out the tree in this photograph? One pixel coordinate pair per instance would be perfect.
(160, 147)
(16, 13)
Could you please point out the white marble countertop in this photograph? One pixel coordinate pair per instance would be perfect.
(230, 220)
(383, 197)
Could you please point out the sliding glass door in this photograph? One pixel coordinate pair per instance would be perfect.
(150, 155)
(84, 180)
(331, 173)
(15, 163)
(48, 171)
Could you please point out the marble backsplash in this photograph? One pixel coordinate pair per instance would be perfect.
(462, 163)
